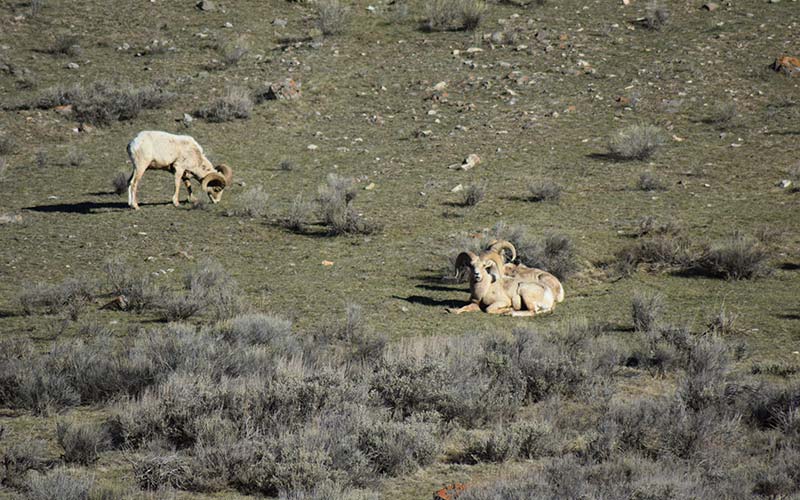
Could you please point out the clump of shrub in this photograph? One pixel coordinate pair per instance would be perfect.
(335, 199)
(232, 53)
(723, 322)
(473, 194)
(661, 247)
(74, 158)
(215, 288)
(445, 15)
(66, 45)
(20, 458)
(155, 472)
(636, 142)
(333, 16)
(236, 103)
(70, 297)
(58, 484)
(519, 441)
(544, 190)
(739, 257)
(120, 183)
(646, 311)
(252, 203)
(656, 15)
(7, 144)
(81, 442)
(138, 292)
(286, 165)
(723, 115)
(298, 216)
(649, 182)
(104, 103)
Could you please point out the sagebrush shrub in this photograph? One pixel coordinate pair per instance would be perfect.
(70, 296)
(335, 199)
(7, 144)
(737, 258)
(58, 484)
(252, 203)
(636, 142)
(646, 310)
(66, 45)
(333, 16)
(120, 183)
(104, 103)
(443, 15)
(298, 216)
(544, 190)
(473, 194)
(656, 15)
(235, 103)
(20, 458)
(649, 182)
(81, 442)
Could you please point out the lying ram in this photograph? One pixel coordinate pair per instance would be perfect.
(178, 154)
(495, 252)
(496, 293)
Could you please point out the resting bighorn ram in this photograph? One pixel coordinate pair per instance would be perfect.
(494, 252)
(498, 294)
(179, 154)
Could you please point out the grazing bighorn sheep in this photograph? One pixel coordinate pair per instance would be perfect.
(498, 294)
(179, 154)
(494, 252)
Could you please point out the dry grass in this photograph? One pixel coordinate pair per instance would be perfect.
(234, 104)
(637, 142)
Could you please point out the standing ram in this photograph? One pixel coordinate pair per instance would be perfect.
(179, 154)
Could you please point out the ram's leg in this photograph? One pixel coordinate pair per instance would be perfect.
(178, 179)
(471, 307)
(499, 308)
(133, 188)
(537, 298)
(188, 183)
(518, 314)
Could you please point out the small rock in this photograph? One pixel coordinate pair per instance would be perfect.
(285, 89)
(371, 8)
(710, 6)
(369, 187)
(789, 66)
(785, 183)
(281, 23)
(468, 163)
(457, 189)
(312, 147)
(72, 65)
(327, 263)
(65, 110)
(86, 128)
(440, 86)
(473, 50)
(206, 5)
(404, 309)
(187, 119)
(228, 24)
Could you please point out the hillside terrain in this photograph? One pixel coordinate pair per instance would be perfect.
(218, 350)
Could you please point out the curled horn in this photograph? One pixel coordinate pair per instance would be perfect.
(214, 179)
(499, 245)
(491, 268)
(227, 172)
(464, 259)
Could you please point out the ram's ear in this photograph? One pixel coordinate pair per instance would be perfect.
(226, 172)
(491, 268)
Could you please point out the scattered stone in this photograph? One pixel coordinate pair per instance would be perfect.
(72, 65)
(327, 263)
(468, 163)
(789, 66)
(369, 187)
(206, 5)
(473, 50)
(10, 219)
(187, 119)
(65, 110)
(450, 492)
(184, 254)
(785, 183)
(286, 89)
(440, 86)
(281, 23)
(228, 24)
(312, 147)
(710, 6)
(457, 189)
(424, 133)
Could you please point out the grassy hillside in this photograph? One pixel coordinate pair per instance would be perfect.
(536, 90)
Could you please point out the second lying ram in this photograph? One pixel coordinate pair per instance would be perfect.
(493, 260)
(179, 154)
(496, 293)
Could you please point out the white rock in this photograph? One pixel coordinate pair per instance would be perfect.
(457, 189)
(73, 65)
(785, 183)
(312, 147)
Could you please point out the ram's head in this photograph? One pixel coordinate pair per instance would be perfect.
(216, 182)
(479, 268)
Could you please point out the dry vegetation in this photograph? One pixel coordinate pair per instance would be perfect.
(292, 341)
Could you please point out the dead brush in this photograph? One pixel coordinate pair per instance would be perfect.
(333, 17)
(544, 190)
(636, 142)
(450, 15)
(65, 45)
(656, 15)
(236, 103)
